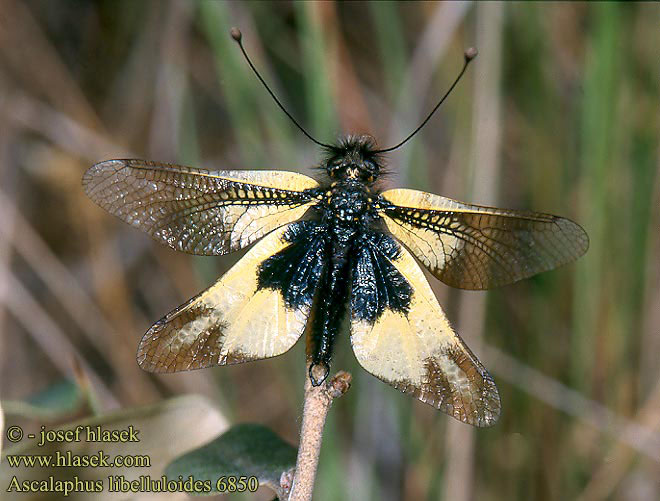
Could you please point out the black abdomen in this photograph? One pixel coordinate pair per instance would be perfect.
(318, 266)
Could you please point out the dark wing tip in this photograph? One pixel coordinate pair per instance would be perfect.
(482, 412)
(144, 358)
(492, 406)
(472, 398)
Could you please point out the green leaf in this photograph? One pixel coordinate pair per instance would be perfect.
(61, 395)
(244, 450)
(58, 400)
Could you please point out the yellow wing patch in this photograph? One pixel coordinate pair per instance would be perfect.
(195, 210)
(231, 322)
(477, 247)
(419, 353)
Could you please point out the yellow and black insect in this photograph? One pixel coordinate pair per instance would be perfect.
(323, 246)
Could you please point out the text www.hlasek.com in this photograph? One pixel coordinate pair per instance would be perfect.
(68, 460)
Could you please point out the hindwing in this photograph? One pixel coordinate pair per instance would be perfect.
(400, 335)
(198, 211)
(245, 315)
(477, 247)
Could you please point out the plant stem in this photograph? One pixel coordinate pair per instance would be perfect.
(318, 400)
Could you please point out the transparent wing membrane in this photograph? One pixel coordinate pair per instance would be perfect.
(194, 210)
(477, 247)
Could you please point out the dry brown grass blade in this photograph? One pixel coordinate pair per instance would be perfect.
(643, 429)
(621, 457)
(63, 130)
(484, 166)
(82, 141)
(650, 346)
(432, 47)
(2, 425)
(69, 293)
(630, 432)
(170, 81)
(75, 300)
(8, 226)
(31, 56)
(45, 332)
(351, 106)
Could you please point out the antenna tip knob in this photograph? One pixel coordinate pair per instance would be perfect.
(236, 34)
(470, 54)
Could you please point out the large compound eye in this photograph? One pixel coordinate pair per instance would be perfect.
(369, 171)
(334, 168)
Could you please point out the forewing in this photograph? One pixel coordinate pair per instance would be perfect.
(235, 320)
(477, 247)
(400, 335)
(198, 211)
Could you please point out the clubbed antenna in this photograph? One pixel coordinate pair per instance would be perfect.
(470, 54)
(237, 36)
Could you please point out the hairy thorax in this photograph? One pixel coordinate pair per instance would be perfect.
(347, 208)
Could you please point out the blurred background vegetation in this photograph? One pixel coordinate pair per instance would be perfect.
(559, 114)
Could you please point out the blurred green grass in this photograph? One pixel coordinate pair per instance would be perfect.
(578, 137)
